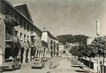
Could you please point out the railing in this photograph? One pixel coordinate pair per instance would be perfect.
(11, 20)
(10, 38)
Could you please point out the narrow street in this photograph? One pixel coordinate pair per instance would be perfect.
(65, 65)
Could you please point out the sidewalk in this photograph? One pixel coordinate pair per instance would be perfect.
(85, 67)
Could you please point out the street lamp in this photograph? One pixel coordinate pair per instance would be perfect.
(98, 28)
(98, 35)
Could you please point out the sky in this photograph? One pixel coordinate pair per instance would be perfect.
(67, 16)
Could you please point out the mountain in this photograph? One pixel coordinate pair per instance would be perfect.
(82, 39)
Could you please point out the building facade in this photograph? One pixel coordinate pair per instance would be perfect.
(21, 38)
(45, 47)
(53, 44)
(61, 47)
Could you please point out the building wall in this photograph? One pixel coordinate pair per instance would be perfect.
(23, 35)
(2, 38)
(61, 47)
(53, 46)
(24, 30)
(45, 36)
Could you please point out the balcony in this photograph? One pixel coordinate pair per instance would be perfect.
(10, 38)
(11, 20)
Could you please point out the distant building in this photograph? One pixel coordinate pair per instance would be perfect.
(61, 47)
(53, 44)
(89, 40)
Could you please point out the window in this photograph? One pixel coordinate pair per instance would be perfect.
(31, 29)
(35, 30)
(16, 33)
(20, 23)
(32, 39)
(24, 24)
(27, 27)
(16, 17)
(27, 38)
(21, 36)
(51, 42)
(40, 34)
(24, 38)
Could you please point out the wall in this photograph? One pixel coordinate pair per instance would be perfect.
(44, 36)
(2, 38)
(61, 47)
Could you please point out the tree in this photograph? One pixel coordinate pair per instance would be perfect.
(74, 51)
(84, 51)
(99, 45)
(79, 51)
(82, 39)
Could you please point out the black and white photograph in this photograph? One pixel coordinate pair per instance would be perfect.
(52, 36)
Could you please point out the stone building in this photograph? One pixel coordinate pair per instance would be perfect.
(53, 44)
(22, 37)
(44, 46)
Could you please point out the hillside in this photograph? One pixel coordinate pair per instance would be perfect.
(72, 38)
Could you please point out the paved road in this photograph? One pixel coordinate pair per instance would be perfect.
(69, 66)
(27, 67)
(65, 65)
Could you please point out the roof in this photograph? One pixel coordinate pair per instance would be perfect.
(24, 10)
(8, 3)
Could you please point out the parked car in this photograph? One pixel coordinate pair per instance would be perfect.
(44, 59)
(11, 64)
(38, 63)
